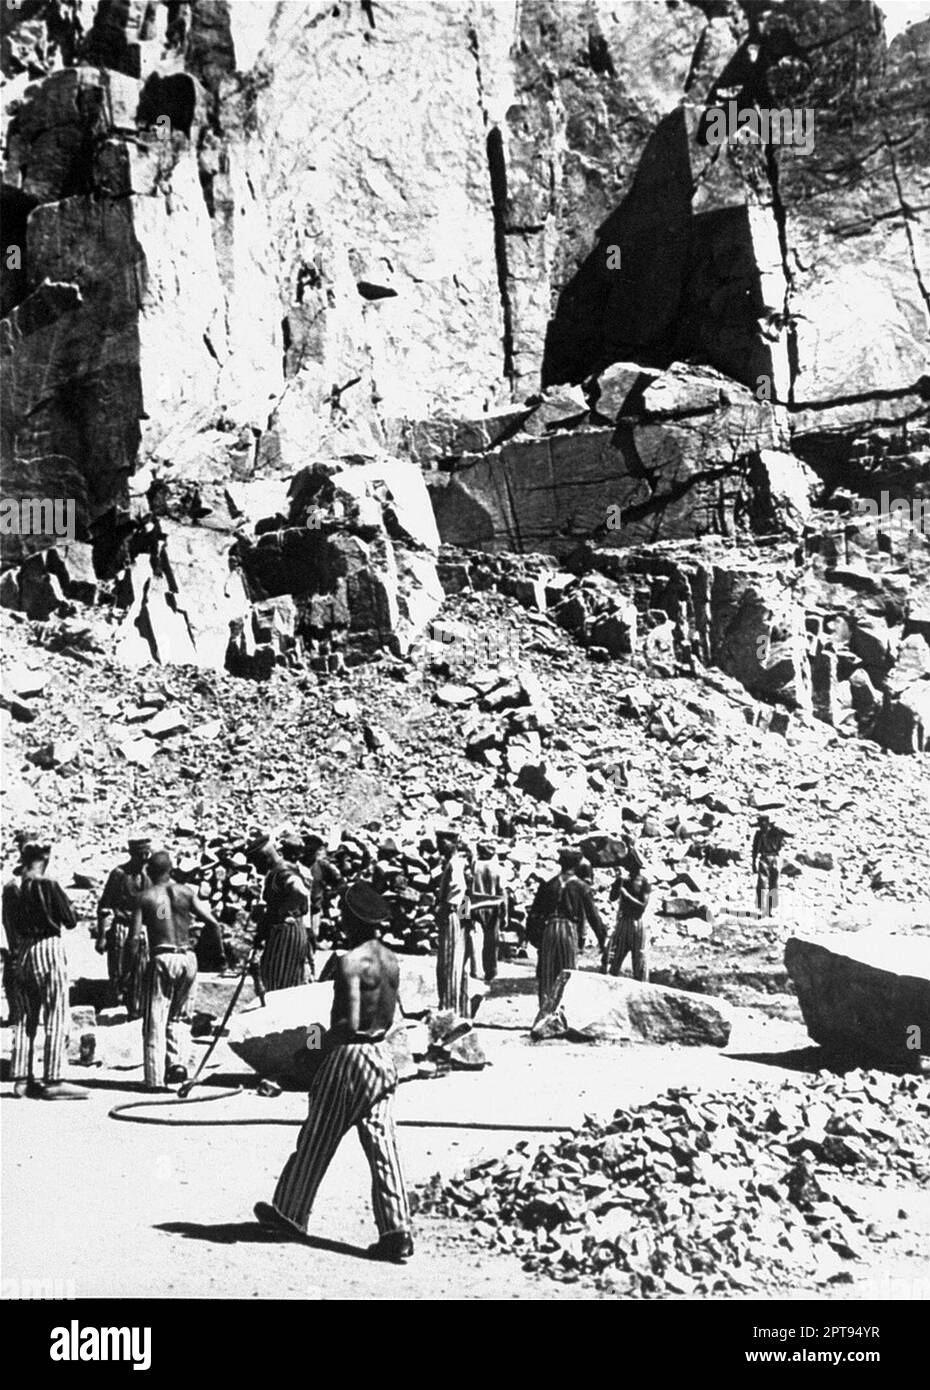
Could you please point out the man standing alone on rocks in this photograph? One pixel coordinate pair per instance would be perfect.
(353, 1088)
(162, 918)
(286, 900)
(114, 920)
(563, 906)
(35, 912)
(451, 917)
(630, 892)
(766, 848)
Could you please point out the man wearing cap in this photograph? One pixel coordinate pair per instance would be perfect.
(35, 912)
(451, 917)
(283, 932)
(353, 1088)
(564, 906)
(766, 848)
(114, 920)
(630, 891)
(162, 919)
(487, 908)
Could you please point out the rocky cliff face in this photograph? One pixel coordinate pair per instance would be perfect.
(496, 240)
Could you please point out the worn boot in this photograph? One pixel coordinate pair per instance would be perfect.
(396, 1248)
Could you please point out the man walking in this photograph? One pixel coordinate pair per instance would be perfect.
(36, 911)
(114, 921)
(630, 891)
(353, 1088)
(451, 917)
(487, 911)
(162, 918)
(766, 848)
(283, 930)
(562, 908)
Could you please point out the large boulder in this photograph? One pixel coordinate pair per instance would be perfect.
(865, 995)
(294, 1021)
(617, 1009)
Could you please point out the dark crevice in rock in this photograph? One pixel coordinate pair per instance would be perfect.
(907, 214)
(921, 388)
(781, 223)
(498, 175)
(15, 208)
(174, 96)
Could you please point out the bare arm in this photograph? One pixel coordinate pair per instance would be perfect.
(201, 913)
(136, 934)
(593, 916)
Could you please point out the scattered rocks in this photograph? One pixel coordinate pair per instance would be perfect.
(702, 1193)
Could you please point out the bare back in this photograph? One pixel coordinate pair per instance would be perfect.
(166, 914)
(365, 995)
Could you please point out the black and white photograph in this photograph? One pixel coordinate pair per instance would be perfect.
(465, 670)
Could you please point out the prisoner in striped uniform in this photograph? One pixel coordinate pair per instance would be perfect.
(114, 921)
(163, 916)
(631, 892)
(36, 911)
(451, 915)
(565, 905)
(283, 930)
(353, 1089)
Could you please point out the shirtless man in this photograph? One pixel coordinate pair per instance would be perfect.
(163, 914)
(353, 1088)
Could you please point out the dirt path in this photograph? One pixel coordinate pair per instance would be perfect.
(155, 1211)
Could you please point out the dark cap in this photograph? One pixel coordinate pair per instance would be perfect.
(291, 840)
(366, 905)
(31, 850)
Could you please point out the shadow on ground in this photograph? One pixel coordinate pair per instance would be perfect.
(251, 1233)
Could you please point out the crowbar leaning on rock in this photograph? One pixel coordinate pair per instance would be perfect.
(188, 1086)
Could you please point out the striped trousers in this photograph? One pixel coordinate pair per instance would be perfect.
(353, 1089)
(285, 955)
(168, 986)
(40, 976)
(451, 958)
(116, 938)
(126, 972)
(558, 951)
(629, 935)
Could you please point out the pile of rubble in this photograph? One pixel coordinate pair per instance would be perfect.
(704, 1193)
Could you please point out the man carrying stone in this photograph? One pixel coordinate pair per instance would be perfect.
(766, 848)
(162, 919)
(451, 918)
(353, 1088)
(630, 891)
(283, 930)
(563, 907)
(114, 920)
(35, 912)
